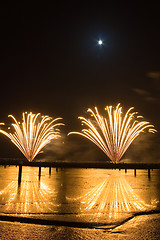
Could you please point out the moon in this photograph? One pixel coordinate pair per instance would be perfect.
(100, 42)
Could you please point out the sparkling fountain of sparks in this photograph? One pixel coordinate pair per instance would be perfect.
(114, 134)
(33, 134)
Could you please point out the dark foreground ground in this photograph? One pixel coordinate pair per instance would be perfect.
(145, 227)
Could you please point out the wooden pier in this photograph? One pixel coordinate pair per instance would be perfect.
(85, 165)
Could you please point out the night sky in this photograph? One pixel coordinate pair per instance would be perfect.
(51, 63)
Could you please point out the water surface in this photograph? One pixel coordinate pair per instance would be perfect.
(95, 196)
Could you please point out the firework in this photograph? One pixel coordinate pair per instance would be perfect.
(33, 134)
(114, 134)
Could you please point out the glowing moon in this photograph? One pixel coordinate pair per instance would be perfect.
(100, 42)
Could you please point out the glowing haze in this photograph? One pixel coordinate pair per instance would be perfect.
(113, 134)
(34, 133)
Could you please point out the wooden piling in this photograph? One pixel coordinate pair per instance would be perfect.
(135, 172)
(49, 170)
(125, 170)
(39, 172)
(149, 173)
(20, 174)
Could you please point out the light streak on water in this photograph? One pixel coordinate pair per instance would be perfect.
(113, 197)
(115, 133)
(32, 196)
(89, 195)
(33, 134)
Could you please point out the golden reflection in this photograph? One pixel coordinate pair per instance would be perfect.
(114, 134)
(113, 197)
(29, 197)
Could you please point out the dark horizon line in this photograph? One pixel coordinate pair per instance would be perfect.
(65, 164)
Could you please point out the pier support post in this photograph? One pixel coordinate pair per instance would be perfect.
(39, 173)
(125, 170)
(20, 174)
(149, 173)
(135, 172)
(49, 170)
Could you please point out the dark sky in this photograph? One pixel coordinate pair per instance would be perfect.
(51, 63)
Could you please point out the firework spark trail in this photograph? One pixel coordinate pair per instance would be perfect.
(33, 134)
(114, 134)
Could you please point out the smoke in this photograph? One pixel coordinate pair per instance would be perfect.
(145, 149)
(73, 149)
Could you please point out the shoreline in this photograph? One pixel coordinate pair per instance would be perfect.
(73, 224)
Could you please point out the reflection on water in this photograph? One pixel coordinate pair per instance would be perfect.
(31, 196)
(114, 196)
(99, 194)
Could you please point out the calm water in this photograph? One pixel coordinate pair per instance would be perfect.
(100, 198)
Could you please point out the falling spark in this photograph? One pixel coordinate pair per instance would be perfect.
(33, 134)
(114, 134)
